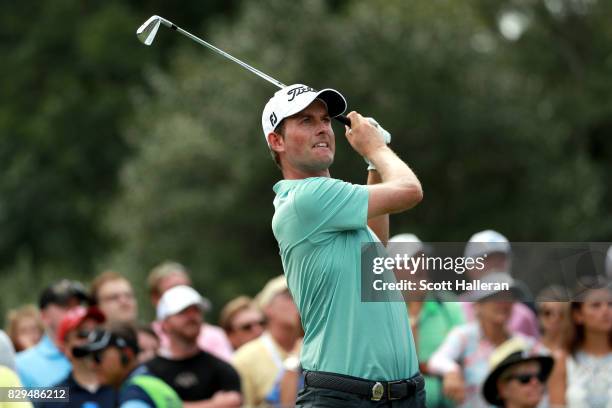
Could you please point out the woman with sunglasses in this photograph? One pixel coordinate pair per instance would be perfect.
(582, 377)
(517, 376)
(242, 321)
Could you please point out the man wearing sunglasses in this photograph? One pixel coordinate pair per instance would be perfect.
(113, 353)
(82, 383)
(242, 321)
(517, 377)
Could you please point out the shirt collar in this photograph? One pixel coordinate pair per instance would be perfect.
(48, 348)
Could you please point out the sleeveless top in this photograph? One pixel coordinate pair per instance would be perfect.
(589, 381)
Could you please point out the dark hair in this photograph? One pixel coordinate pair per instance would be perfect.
(146, 328)
(280, 129)
(61, 292)
(126, 331)
(576, 332)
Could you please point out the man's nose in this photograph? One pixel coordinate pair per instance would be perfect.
(324, 127)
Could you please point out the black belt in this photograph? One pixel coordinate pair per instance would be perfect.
(374, 390)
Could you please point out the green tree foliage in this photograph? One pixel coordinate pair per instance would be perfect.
(501, 133)
(66, 74)
(503, 108)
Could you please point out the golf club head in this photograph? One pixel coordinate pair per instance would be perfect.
(147, 31)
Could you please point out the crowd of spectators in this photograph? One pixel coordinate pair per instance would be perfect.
(478, 349)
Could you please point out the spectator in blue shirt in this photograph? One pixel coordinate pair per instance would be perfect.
(44, 364)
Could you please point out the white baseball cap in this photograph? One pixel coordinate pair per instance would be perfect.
(486, 242)
(404, 244)
(294, 98)
(177, 299)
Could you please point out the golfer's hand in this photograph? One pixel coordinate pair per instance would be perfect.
(382, 133)
(363, 135)
(453, 386)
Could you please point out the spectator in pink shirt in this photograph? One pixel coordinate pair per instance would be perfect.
(496, 246)
(212, 338)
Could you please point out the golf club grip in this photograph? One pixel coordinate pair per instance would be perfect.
(344, 120)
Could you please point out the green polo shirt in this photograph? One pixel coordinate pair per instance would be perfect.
(438, 316)
(320, 224)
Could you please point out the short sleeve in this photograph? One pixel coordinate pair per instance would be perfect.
(328, 205)
(228, 378)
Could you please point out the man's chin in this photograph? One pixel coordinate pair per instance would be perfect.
(102, 379)
(322, 165)
(190, 337)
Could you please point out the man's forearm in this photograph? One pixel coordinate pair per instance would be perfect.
(380, 224)
(391, 168)
(399, 190)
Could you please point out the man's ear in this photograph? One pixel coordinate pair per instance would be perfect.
(276, 141)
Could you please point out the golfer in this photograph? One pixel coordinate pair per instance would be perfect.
(354, 353)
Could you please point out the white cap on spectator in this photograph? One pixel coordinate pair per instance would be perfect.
(486, 242)
(404, 244)
(177, 299)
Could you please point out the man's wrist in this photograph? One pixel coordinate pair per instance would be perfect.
(292, 363)
(372, 156)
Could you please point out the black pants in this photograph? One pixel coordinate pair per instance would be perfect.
(311, 397)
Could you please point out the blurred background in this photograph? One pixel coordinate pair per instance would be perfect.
(119, 156)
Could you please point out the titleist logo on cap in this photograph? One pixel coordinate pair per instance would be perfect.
(273, 119)
(293, 92)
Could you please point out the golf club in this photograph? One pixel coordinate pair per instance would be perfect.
(147, 31)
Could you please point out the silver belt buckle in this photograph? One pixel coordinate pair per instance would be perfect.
(377, 391)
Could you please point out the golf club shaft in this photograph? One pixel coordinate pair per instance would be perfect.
(341, 118)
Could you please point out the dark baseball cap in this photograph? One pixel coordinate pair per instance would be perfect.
(61, 292)
(101, 339)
